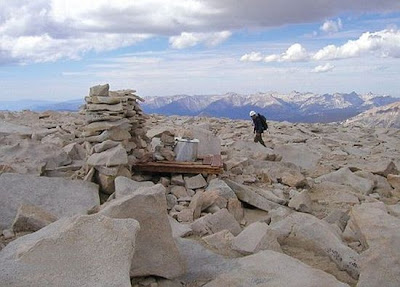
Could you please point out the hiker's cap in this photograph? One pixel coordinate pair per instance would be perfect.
(252, 113)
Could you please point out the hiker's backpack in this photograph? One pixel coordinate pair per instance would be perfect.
(263, 121)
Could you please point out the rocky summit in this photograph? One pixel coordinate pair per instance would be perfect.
(318, 206)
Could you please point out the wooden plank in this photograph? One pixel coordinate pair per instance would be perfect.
(176, 168)
(207, 160)
(216, 160)
(177, 162)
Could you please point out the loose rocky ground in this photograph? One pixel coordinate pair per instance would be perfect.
(319, 206)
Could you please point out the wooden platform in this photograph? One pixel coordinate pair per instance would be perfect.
(210, 165)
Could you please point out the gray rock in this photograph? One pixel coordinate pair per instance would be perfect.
(31, 218)
(213, 223)
(8, 234)
(61, 197)
(334, 193)
(195, 182)
(168, 283)
(75, 151)
(210, 198)
(171, 201)
(94, 127)
(221, 240)
(105, 99)
(156, 252)
(346, 177)
(284, 172)
(255, 237)
(202, 264)
(394, 181)
(273, 269)
(7, 128)
(179, 191)
(384, 168)
(196, 204)
(246, 194)
(338, 217)
(221, 187)
(299, 154)
(394, 209)
(319, 235)
(105, 107)
(301, 202)
(56, 160)
(279, 214)
(111, 157)
(379, 232)
(179, 229)
(67, 253)
(126, 186)
(237, 163)
(99, 90)
(209, 144)
(268, 194)
(100, 147)
(185, 215)
(177, 180)
(235, 208)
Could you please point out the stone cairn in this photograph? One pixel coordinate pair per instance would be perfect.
(164, 150)
(114, 135)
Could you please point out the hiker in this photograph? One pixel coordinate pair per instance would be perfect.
(260, 125)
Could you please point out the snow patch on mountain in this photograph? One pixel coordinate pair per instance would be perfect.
(294, 106)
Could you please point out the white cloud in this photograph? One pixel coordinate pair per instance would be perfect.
(185, 40)
(295, 53)
(252, 57)
(64, 22)
(44, 48)
(323, 68)
(385, 43)
(331, 26)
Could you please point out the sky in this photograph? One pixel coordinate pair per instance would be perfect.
(57, 49)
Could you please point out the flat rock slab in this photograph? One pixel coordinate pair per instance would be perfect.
(380, 233)
(255, 237)
(84, 250)
(195, 182)
(273, 269)
(156, 252)
(32, 218)
(202, 265)
(7, 128)
(318, 235)
(213, 223)
(346, 177)
(299, 154)
(246, 194)
(126, 186)
(61, 197)
(209, 143)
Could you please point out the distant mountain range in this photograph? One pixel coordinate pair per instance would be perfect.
(386, 116)
(293, 107)
(38, 106)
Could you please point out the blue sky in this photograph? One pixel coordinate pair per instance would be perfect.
(58, 49)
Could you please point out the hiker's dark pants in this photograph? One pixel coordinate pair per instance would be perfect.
(258, 138)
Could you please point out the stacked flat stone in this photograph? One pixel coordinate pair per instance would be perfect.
(115, 132)
(165, 150)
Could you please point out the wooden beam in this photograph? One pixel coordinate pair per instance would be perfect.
(177, 167)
